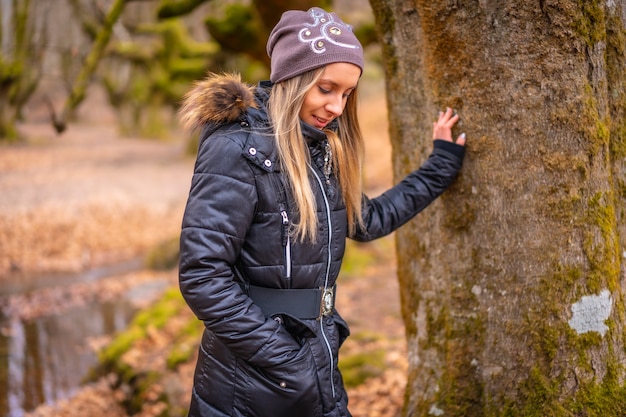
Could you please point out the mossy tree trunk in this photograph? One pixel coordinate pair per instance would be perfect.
(82, 81)
(513, 282)
(21, 50)
(244, 28)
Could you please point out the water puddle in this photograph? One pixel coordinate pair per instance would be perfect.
(46, 358)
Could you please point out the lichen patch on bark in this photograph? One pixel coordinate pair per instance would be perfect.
(590, 313)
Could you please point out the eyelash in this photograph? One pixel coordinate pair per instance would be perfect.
(323, 91)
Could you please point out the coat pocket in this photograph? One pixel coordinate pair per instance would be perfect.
(289, 389)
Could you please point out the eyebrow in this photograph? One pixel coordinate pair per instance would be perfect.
(334, 84)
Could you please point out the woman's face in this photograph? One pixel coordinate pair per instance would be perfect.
(327, 99)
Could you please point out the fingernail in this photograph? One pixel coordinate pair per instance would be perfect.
(463, 135)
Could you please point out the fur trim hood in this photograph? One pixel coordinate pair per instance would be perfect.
(219, 98)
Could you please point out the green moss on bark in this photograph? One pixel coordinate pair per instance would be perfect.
(603, 399)
(616, 61)
(540, 394)
(596, 130)
(602, 250)
(460, 339)
(544, 392)
(590, 23)
(559, 349)
(461, 387)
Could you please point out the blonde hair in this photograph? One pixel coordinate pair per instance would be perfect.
(285, 102)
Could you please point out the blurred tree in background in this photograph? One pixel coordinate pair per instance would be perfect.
(21, 46)
(240, 28)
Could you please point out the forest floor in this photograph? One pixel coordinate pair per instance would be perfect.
(91, 198)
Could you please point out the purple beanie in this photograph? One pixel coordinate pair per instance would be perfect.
(303, 41)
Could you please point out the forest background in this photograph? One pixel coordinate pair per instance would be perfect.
(94, 173)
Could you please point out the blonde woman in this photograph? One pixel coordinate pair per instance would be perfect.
(275, 193)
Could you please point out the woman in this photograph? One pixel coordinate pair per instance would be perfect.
(276, 190)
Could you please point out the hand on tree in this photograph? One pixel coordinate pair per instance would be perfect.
(442, 128)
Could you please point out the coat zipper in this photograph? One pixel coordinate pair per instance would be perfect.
(286, 241)
(285, 238)
(330, 235)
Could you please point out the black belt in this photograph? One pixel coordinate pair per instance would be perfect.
(307, 303)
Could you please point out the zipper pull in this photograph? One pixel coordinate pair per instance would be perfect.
(285, 228)
(285, 241)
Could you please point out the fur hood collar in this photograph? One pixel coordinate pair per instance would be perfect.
(224, 98)
(219, 98)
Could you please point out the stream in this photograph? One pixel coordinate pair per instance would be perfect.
(45, 359)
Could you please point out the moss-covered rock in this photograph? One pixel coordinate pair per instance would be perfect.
(144, 358)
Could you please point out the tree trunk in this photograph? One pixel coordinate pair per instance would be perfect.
(513, 281)
(21, 47)
(80, 85)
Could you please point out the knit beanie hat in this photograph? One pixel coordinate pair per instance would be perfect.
(303, 41)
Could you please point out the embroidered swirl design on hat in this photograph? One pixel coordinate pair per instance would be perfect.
(327, 26)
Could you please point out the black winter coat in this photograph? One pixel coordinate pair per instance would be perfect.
(249, 364)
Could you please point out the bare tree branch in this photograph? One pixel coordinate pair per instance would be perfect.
(81, 83)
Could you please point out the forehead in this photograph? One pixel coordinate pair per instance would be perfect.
(342, 74)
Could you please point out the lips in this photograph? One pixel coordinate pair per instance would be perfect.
(320, 123)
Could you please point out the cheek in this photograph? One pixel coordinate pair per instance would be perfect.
(303, 110)
(307, 105)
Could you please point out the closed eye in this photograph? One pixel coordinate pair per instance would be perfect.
(323, 91)
(344, 95)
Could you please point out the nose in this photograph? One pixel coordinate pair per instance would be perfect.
(335, 105)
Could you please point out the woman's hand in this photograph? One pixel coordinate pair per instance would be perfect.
(442, 128)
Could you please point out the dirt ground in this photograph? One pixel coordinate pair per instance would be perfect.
(90, 198)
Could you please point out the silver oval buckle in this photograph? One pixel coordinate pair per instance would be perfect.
(327, 302)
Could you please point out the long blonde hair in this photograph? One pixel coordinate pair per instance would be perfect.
(286, 99)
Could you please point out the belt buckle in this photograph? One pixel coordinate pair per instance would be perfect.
(327, 302)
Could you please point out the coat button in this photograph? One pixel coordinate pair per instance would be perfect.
(252, 151)
(268, 163)
(283, 384)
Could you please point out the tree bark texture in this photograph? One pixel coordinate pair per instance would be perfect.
(513, 281)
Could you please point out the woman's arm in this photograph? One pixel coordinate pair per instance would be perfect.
(401, 203)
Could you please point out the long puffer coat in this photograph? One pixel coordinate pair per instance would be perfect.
(233, 231)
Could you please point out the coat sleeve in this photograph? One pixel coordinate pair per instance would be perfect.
(219, 211)
(384, 214)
